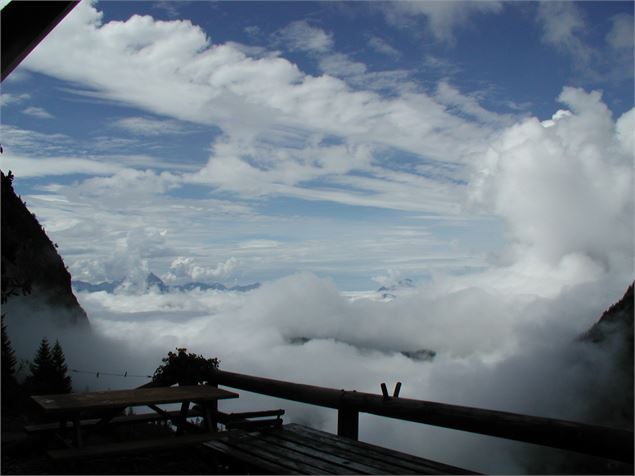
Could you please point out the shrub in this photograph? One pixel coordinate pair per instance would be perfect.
(185, 368)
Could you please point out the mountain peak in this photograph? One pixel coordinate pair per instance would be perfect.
(154, 281)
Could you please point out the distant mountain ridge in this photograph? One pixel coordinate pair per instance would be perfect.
(152, 280)
(388, 292)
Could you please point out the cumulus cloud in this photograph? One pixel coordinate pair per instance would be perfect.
(127, 260)
(564, 187)
(186, 268)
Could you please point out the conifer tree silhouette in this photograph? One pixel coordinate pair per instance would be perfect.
(49, 371)
(9, 383)
(62, 382)
(42, 370)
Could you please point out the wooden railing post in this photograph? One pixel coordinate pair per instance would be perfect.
(348, 423)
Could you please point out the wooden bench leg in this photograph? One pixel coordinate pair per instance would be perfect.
(185, 406)
(210, 409)
(77, 429)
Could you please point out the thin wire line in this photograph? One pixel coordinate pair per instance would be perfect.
(98, 373)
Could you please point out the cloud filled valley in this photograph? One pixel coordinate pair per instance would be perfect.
(511, 353)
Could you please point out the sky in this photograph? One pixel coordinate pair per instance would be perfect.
(352, 140)
(482, 149)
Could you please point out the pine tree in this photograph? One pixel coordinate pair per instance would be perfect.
(8, 356)
(63, 383)
(9, 383)
(42, 376)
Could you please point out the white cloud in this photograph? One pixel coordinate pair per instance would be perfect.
(128, 185)
(38, 112)
(452, 97)
(621, 35)
(514, 353)
(20, 141)
(221, 85)
(253, 99)
(442, 19)
(382, 46)
(338, 64)
(252, 30)
(565, 189)
(6, 98)
(149, 127)
(300, 36)
(24, 166)
(186, 268)
(251, 244)
(563, 24)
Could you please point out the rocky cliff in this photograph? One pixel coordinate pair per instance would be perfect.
(34, 278)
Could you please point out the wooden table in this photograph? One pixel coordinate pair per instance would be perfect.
(71, 406)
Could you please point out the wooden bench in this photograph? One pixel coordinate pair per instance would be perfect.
(106, 449)
(251, 420)
(243, 420)
(44, 428)
(110, 404)
(297, 449)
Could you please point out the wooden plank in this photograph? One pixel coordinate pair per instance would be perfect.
(337, 462)
(252, 460)
(254, 424)
(285, 454)
(360, 462)
(286, 450)
(248, 443)
(365, 450)
(125, 398)
(406, 461)
(265, 413)
(129, 446)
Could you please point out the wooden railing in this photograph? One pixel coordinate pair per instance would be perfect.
(611, 443)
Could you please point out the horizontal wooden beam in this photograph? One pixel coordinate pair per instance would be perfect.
(594, 440)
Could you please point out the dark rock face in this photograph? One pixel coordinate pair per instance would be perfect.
(29, 257)
(615, 321)
(612, 335)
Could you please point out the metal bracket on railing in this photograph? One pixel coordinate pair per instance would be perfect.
(395, 393)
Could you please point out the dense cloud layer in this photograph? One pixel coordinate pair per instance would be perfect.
(515, 353)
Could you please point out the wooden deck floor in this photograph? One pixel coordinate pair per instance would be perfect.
(297, 449)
